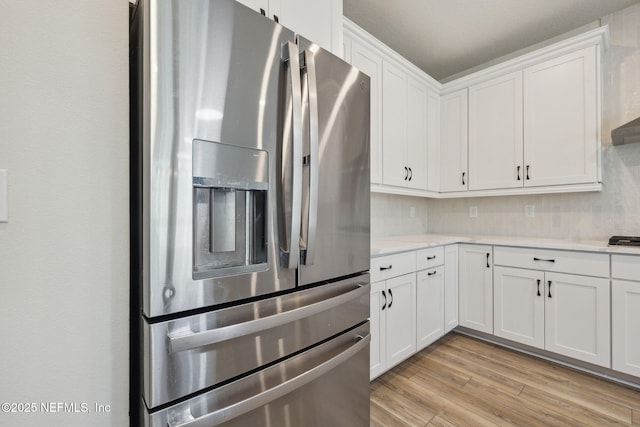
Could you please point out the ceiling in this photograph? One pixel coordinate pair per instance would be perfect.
(447, 37)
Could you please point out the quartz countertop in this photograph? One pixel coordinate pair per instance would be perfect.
(395, 244)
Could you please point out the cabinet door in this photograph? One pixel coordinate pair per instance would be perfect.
(394, 118)
(346, 48)
(450, 287)
(417, 133)
(495, 133)
(401, 318)
(378, 329)
(577, 317)
(625, 314)
(256, 5)
(430, 306)
(453, 142)
(561, 120)
(476, 287)
(318, 21)
(367, 60)
(433, 140)
(518, 305)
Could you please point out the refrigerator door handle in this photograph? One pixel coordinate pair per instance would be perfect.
(244, 406)
(192, 340)
(314, 151)
(291, 54)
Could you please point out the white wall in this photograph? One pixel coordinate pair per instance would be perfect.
(615, 210)
(64, 253)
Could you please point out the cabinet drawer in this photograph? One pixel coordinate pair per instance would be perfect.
(625, 267)
(430, 257)
(385, 267)
(583, 263)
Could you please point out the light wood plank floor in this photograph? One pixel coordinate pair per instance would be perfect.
(461, 381)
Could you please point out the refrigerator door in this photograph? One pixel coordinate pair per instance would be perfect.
(335, 237)
(222, 84)
(327, 385)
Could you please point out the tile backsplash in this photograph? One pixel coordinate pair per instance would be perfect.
(590, 216)
(393, 215)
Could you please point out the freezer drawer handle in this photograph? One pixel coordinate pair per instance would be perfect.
(192, 340)
(244, 406)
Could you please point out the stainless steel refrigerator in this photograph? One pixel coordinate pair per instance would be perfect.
(250, 222)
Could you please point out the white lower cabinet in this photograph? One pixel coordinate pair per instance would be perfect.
(577, 311)
(578, 304)
(401, 318)
(430, 306)
(568, 314)
(475, 287)
(411, 310)
(393, 323)
(378, 329)
(625, 319)
(518, 304)
(450, 287)
(393, 311)
(625, 314)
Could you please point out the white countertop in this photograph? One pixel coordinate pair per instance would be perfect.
(394, 244)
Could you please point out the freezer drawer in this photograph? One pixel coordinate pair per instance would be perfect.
(186, 355)
(327, 385)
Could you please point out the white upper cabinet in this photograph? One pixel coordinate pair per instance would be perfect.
(528, 125)
(533, 123)
(318, 21)
(495, 133)
(416, 152)
(394, 102)
(404, 128)
(561, 120)
(257, 5)
(537, 127)
(453, 142)
(369, 61)
(433, 140)
(405, 117)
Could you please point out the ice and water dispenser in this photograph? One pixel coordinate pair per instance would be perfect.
(230, 195)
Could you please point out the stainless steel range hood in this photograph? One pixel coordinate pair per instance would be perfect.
(627, 133)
